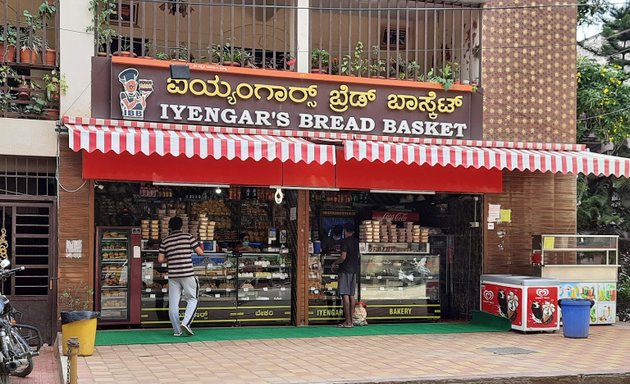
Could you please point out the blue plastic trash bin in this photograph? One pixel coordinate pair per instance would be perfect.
(576, 316)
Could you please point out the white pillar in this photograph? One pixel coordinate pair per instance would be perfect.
(303, 36)
(76, 47)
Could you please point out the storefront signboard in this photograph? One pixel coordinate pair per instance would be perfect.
(220, 97)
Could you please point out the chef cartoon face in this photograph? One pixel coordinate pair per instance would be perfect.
(131, 86)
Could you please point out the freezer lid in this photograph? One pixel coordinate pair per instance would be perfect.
(539, 281)
(503, 279)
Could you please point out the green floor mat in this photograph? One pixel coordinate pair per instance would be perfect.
(160, 336)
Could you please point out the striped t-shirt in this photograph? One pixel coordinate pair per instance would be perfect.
(178, 248)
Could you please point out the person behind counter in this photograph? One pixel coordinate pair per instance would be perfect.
(348, 265)
(176, 249)
(244, 246)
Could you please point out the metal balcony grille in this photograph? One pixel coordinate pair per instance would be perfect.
(27, 176)
(401, 39)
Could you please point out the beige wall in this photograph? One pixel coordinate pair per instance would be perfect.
(76, 50)
(21, 137)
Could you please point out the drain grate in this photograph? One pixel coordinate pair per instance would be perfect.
(508, 351)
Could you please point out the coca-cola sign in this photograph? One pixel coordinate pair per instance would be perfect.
(396, 217)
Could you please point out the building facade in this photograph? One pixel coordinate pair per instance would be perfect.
(322, 111)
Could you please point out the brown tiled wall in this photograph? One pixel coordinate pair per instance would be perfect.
(528, 75)
(529, 66)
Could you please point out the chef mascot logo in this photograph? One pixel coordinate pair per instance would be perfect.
(133, 99)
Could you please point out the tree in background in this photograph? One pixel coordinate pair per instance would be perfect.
(616, 32)
(603, 110)
(591, 11)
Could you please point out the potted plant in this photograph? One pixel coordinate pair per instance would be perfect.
(55, 85)
(412, 70)
(8, 40)
(442, 76)
(102, 11)
(377, 67)
(320, 60)
(7, 98)
(229, 56)
(125, 49)
(76, 318)
(354, 64)
(30, 43)
(180, 53)
(161, 56)
(36, 106)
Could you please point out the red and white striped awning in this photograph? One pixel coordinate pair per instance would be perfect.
(134, 140)
(543, 160)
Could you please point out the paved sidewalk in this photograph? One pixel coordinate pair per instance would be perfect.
(371, 359)
(46, 370)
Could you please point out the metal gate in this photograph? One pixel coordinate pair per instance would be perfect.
(32, 237)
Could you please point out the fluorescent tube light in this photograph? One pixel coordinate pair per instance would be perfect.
(200, 185)
(305, 188)
(402, 192)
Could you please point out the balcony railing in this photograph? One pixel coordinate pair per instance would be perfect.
(29, 79)
(399, 39)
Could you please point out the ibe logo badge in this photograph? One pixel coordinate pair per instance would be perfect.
(133, 98)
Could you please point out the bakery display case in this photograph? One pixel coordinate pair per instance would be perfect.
(324, 303)
(116, 266)
(216, 273)
(264, 287)
(400, 281)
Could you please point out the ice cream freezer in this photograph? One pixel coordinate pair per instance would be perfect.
(530, 303)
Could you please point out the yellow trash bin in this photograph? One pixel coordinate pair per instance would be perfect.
(85, 331)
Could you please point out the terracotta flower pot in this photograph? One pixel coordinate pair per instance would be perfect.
(317, 70)
(51, 113)
(51, 57)
(28, 56)
(231, 64)
(7, 52)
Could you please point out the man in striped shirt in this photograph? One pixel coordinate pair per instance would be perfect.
(176, 249)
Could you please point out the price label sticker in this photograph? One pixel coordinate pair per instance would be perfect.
(381, 288)
(400, 288)
(246, 289)
(241, 264)
(164, 290)
(363, 289)
(228, 277)
(208, 289)
(283, 289)
(148, 290)
(316, 291)
(282, 265)
(147, 277)
(379, 277)
(152, 295)
(166, 277)
(164, 265)
(217, 295)
(265, 289)
(333, 277)
(368, 277)
(245, 298)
